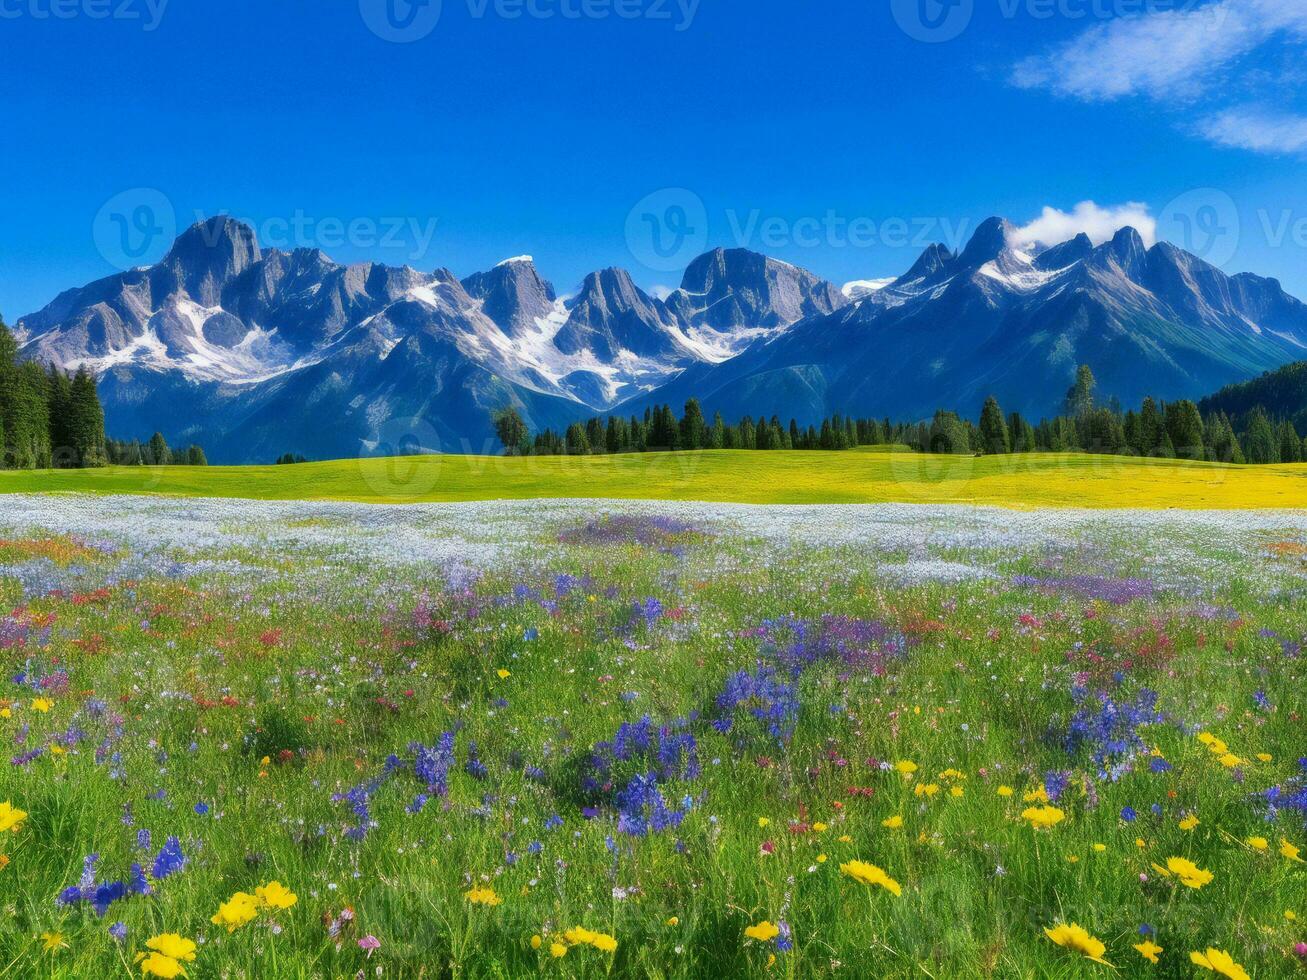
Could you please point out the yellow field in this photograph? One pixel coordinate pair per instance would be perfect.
(860, 476)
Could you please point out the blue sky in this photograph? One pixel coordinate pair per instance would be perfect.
(841, 135)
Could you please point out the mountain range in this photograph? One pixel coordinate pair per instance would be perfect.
(254, 352)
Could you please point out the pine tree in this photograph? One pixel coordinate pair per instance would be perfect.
(1185, 427)
(693, 430)
(157, 452)
(85, 421)
(1290, 444)
(717, 440)
(195, 457)
(994, 436)
(1260, 443)
(577, 442)
(1080, 396)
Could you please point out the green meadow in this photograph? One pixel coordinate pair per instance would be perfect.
(872, 475)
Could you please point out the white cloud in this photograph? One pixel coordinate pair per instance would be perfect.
(1256, 128)
(1154, 55)
(1053, 226)
(659, 291)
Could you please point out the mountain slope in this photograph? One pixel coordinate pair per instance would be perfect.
(255, 352)
(1282, 393)
(997, 319)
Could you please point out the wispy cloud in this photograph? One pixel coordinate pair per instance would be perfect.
(1257, 128)
(1054, 226)
(1186, 54)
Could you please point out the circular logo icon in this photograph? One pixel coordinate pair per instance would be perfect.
(1205, 222)
(932, 21)
(411, 461)
(130, 228)
(667, 229)
(400, 21)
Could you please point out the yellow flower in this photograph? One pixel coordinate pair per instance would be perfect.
(536, 941)
(53, 941)
(579, 935)
(158, 965)
(1148, 950)
(1290, 915)
(1264, 757)
(819, 827)
(11, 818)
(1005, 791)
(764, 821)
(241, 909)
(1139, 843)
(1036, 795)
(673, 921)
(1189, 822)
(926, 789)
(42, 704)
(821, 858)
(893, 823)
(845, 839)
(1229, 760)
(952, 774)
(4, 861)
(1189, 874)
(504, 674)
(1042, 816)
(276, 895)
(1077, 938)
(906, 766)
(557, 950)
(764, 931)
(1258, 843)
(1219, 961)
(1290, 851)
(1072, 858)
(1100, 848)
(173, 946)
(955, 791)
(868, 874)
(482, 896)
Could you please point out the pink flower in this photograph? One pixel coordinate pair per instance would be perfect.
(369, 943)
(1300, 949)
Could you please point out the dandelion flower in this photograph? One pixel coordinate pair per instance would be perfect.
(241, 909)
(158, 965)
(893, 823)
(764, 931)
(52, 942)
(42, 704)
(868, 874)
(173, 946)
(1264, 757)
(672, 921)
(1290, 851)
(537, 941)
(764, 821)
(1219, 961)
(483, 896)
(1188, 873)
(1077, 938)
(1005, 791)
(504, 674)
(1148, 950)
(276, 895)
(1043, 816)
(581, 936)
(11, 818)
(1189, 822)
(906, 766)
(557, 950)
(1258, 843)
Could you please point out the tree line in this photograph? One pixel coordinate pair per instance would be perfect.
(53, 418)
(659, 430)
(1160, 429)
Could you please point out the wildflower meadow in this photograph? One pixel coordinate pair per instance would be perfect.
(582, 739)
